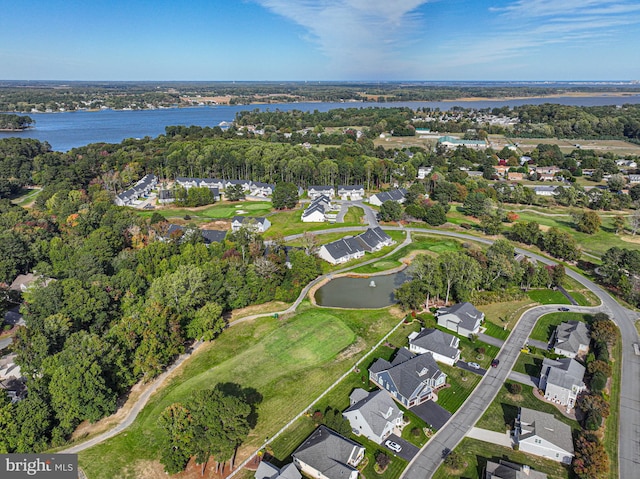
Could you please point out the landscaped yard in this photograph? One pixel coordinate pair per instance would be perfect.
(547, 324)
(502, 313)
(504, 409)
(475, 454)
(529, 364)
(289, 363)
(290, 222)
(548, 296)
(222, 209)
(461, 385)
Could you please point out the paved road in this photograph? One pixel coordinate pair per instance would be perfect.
(485, 338)
(538, 344)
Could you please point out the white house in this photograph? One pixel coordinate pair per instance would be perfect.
(462, 318)
(545, 190)
(373, 415)
(325, 454)
(410, 379)
(443, 346)
(314, 191)
(562, 381)
(396, 195)
(353, 192)
(542, 434)
(509, 470)
(316, 212)
(424, 171)
(634, 179)
(374, 239)
(246, 184)
(342, 250)
(263, 190)
(142, 188)
(571, 339)
(259, 225)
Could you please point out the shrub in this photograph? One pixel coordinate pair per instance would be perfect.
(454, 461)
(593, 421)
(598, 382)
(514, 388)
(382, 459)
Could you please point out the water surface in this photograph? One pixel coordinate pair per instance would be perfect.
(353, 292)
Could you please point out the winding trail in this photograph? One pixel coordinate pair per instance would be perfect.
(430, 457)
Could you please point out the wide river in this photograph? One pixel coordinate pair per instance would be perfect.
(68, 130)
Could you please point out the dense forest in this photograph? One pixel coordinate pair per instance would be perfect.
(15, 122)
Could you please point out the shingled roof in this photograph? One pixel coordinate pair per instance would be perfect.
(570, 335)
(547, 427)
(376, 408)
(328, 452)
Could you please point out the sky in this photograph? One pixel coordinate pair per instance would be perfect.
(322, 40)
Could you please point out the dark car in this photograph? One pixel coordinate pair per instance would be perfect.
(563, 309)
(494, 363)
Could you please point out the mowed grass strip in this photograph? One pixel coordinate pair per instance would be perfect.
(546, 325)
(288, 363)
(476, 453)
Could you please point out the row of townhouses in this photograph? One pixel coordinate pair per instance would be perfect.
(352, 247)
(141, 188)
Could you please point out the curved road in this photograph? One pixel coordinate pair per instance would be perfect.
(430, 457)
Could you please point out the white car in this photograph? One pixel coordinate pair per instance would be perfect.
(394, 446)
(473, 365)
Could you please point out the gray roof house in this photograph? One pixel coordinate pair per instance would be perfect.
(317, 210)
(374, 239)
(373, 415)
(410, 379)
(462, 318)
(267, 470)
(257, 224)
(562, 380)
(141, 188)
(263, 190)
(213, 236)
(396, 195)
(342, 250)
(443, 346)
(509, 470)
(542, 434)
(351, 192)
(318, 190)
(325, 454)
(571, 339)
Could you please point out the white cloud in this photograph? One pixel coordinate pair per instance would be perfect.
(358, 36)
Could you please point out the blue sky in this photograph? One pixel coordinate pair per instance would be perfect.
(320, 40)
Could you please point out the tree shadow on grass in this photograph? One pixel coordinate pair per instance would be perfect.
(509, 413)
(533, 370)
(249, 395)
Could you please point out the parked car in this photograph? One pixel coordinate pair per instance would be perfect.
(394, 446)
(473, 365)
(494, 363)
(563, 309)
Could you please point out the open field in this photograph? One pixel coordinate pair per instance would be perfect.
(289, 222)
(505, 313)
(475, 454)
(267, 355)
(545, 326)
(27, 197)
(619, 147)
(548, 296)
(222, 209)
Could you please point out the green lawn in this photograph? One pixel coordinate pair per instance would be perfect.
(354, 215)
(476, 453)
(548, 296)
(545, 326)
(505, 312)
(529, 364)
(223, 209)
(394, 469)
(461, 385)
(504, 409)
(495, 331)
(290, 222)
(268, 355)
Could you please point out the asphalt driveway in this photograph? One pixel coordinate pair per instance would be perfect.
(432, 413)
(408, 450)
(466, 367)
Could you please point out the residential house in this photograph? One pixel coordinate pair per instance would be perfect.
(542, 434)
(373, 415)
(24, 282)
(545, 190)
(314, 191)
(562, 380)
(443, 346)
(514, 176)
(317, 211)
(213, 236)
(263, 190)
(509, 470)
(351, 192)
(396, 195)
(254, 223)
(166, 196)
(246, 184)
(325, 454)
(410, 379)
(374, 239)
(634, 179)
(571, 339)
(267, 470)
(547, 170)
(546, 177)
(462, 318)
(424, 171)
(342, 250)
(142, 188)
(501, 170)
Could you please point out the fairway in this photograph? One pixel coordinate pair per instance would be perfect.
(218, 210)
(288, 363)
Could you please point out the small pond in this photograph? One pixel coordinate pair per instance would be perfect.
(352, 292)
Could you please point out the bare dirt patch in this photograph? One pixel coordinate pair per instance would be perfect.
(352, 350)
(270, 307)
(630, 239)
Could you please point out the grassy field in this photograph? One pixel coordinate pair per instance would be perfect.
(26, 197)
(545, 326)
(267, 355)
(476, 453)
(461, 385)
(612, 423)
(529, 364)
(548, 296)
(582, 295)
(505, 313)
(504, 409)
(222, 209)
(290, 222)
